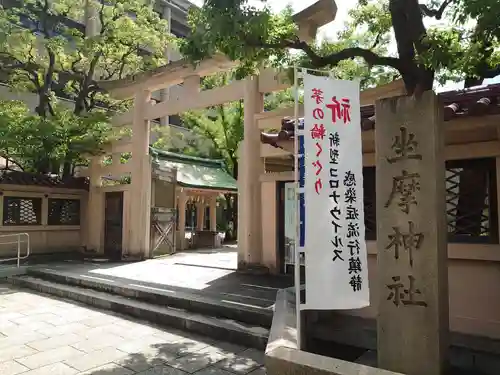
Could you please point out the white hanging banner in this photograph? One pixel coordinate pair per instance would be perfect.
(332, 206)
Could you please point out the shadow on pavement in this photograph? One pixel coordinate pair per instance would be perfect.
(160, 351)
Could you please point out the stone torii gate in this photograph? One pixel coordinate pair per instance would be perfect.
(184, 98)
(253, 154)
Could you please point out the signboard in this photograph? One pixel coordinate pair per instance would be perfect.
(332, 229)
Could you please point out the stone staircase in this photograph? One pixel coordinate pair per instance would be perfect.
(203, 313)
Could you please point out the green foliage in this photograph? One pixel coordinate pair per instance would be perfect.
(44, 50)
(44, 144)
(268, 42)
(469, 46)
(129, 37)
(238, 30)
(464, 47)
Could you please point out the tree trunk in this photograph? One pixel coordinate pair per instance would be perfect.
(476, 79)
(67, 169)
(42, 166)
(409, 31)
(55, 167)
(42, 108)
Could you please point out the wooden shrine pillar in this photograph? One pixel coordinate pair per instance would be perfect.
(181, 208)
(140, 189)
(200, 215)
(213, 213)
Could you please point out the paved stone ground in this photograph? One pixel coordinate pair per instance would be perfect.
(42, 335)
(211, 273)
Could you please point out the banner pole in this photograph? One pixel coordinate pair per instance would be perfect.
(297, 207)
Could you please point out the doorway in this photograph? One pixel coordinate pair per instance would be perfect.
(113, 225)
(286, 216)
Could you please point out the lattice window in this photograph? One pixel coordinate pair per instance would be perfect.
(64, 212)
(471, 201)
(22, 211)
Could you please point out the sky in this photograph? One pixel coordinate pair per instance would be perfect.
(330, 30)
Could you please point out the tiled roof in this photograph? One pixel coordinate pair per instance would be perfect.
(461, 103)
(195, 172)
(8, 177)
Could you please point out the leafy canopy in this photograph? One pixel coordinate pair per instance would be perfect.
(465, 47)
(46, 50)
(35, 143)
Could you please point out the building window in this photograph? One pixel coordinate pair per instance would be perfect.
(22, 211)
(179, 29)
(58, 28)
(175, 120)
(64, 212)
(471, 201)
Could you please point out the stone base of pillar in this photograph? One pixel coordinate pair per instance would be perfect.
(253, 268)
(133, 257)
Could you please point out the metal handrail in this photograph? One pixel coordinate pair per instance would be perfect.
(18, 242)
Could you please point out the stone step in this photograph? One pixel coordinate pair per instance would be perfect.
(8, 271)
(220, 329)
(204, 305)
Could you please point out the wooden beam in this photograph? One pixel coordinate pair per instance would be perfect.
(268, 151)
(272, 119)
(472, 122)
(207, 192)
(203, 99)
(119, 146)
(165, 76)
(271, 80)
(123, 119)
(277, 176)
(280, 161)
(461, 124)
(115, 170)
(490, 149)
(472, 150)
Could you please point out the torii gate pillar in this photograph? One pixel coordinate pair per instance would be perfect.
(250, 169)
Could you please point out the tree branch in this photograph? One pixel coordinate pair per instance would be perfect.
(436, 13)
(104, 25)
(377, 40)
(75, 62)
(318, 61)
(118, 70)
(225, 125)
(10, 160)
